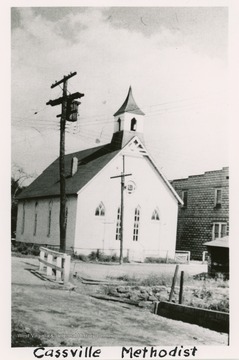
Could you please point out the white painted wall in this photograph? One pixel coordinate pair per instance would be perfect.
(41, 236)
(155, 238)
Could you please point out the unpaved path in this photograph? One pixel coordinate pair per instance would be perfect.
(101, 270)
(72, 318)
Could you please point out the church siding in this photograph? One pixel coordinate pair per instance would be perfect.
(42, 235)
(98, 232)
(156, 238)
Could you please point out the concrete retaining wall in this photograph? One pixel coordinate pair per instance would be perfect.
(214, 320)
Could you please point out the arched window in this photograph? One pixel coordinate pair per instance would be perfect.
(118, 225)
(155, 215)
(100, 210)
(133, 124)
(49, 218)
(35, 219)
(23, 217)
(136, 223)
(119, 121)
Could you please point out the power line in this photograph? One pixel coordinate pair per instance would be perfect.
(98, 116)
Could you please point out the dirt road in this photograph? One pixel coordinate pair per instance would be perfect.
(60, 317)
(101, 271)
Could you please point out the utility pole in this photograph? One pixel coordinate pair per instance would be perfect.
(122, 176)
(69, 110)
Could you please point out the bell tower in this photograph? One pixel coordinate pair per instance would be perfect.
(128, 121)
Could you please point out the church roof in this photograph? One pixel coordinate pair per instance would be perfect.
(90, 162)
(129, 105)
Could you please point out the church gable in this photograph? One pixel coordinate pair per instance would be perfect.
(135, 147)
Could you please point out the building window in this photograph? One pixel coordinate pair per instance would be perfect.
(136, 224)
(133, 124)
(185, 198)
(118, 225)
(119, 121)
(218, 198)
(155, 215)
(35, 219)
(23, 217)
(219, 230)
(49, 218)
(100, 210)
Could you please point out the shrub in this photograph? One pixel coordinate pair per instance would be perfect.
(81, 257)
(93, 255)
(155, 260)
(22, 248)
(159, 260)
(104, 258)
(98, 256)
(220, 305)
(153, 280)
(202, 293)
(35, 250)
(26, 248)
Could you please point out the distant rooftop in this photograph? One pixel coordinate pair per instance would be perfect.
(220, 242)
(225, 168)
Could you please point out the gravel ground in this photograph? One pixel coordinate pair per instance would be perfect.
(45, 313)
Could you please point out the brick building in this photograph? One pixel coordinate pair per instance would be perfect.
(205, 213)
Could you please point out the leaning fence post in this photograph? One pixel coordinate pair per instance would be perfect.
(66, 264)
(49, 269)
(59, 264)
(173, 283)
(181, 288)
(42, 257)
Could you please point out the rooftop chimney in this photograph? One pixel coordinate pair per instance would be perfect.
(74, 165)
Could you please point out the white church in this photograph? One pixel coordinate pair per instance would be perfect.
(94, 198)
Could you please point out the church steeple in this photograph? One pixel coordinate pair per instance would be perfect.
(128, 121)
(129, 105)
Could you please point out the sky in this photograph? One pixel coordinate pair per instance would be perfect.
(175, 59)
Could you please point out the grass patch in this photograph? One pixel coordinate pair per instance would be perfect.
(150, 280)
(211, 294)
